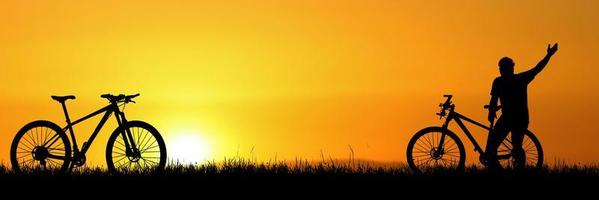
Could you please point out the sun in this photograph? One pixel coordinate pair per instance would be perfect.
(188, 147)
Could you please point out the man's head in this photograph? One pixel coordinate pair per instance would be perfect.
(506, 66)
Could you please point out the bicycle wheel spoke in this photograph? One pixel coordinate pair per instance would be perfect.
(452, 154)
(450, 146)
(25, 150)
(137, 138)
(151, 145)
(428, 141)
(423, 161)
(533, 149)
(429, 160)
(131, 137)
(448, 161)
(433, 139)
(145, 142)
(135, 134)
(120, 149)
(54, 163)
(151, 161)
(506, 146)
(24, 156)
(30, 161)
(420, 152)
(528, 145)
(415, 149)
(30, 143)
(146, 164)
(39, 135)
(56, 149)
(47, 132)
(57, 146)
(34, 134)
(420, 156)
(45, 138)
(25, 145)
(145, 139)
(418, 145)
(152, 151)
(450, 150)
(118, 156)
(142, 142)
(119, 142)
(54, 139)
(120, 159)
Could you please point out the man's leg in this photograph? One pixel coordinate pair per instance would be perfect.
(517, 152)
(500, 131)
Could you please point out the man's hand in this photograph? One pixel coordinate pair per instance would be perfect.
(551, 50)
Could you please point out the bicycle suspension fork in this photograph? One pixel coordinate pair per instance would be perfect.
(128, 139)
(444, 127)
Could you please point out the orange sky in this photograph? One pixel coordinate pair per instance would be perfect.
(290, 78)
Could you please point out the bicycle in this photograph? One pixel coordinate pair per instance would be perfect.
(437, 147)
(133, 146)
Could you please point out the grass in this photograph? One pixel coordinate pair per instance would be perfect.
(299, 168)
(245, 174)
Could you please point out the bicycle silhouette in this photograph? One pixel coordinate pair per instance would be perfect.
(133, 146)
(435, 148)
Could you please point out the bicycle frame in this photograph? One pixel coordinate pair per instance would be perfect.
(457, 117)
(107, 110)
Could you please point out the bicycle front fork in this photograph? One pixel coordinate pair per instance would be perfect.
(131, 148)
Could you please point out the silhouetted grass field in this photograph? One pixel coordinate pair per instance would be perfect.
(330, 177)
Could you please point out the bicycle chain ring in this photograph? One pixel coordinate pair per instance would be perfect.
(79, 160)
(483, 160)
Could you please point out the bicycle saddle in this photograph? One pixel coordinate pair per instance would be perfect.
(61, 99)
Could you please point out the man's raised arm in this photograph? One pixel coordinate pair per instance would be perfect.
(541, 65)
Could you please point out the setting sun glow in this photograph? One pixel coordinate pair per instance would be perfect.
(188, 147)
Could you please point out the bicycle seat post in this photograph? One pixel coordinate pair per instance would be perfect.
(66, 114)
(68, 120)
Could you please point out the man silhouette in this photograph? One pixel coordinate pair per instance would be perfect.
(511, 90)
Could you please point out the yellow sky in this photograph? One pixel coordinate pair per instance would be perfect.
(292, 78)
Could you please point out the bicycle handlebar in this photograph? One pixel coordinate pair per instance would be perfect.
(448, 105)
(445, 106)
(120, 97)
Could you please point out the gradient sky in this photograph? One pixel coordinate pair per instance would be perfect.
(294, 78)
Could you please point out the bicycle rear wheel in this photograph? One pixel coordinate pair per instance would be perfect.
(150, 155)
(40, 146)
(425, 156)
(533, 152)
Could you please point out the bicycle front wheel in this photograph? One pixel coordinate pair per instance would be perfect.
(149, 154)
(425, 154)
